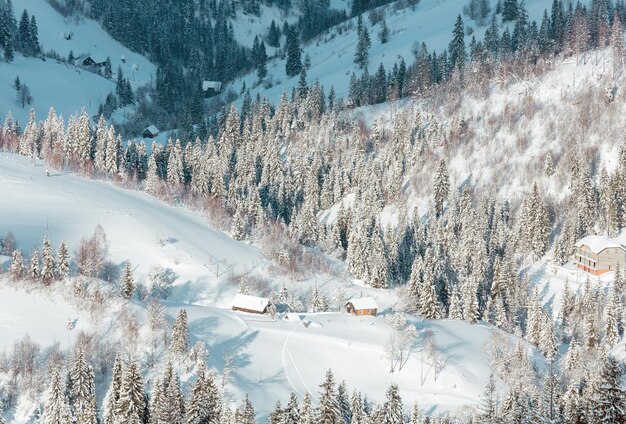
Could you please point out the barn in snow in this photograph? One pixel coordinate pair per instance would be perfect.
(362, 306)
(251, 304)
(597, 255)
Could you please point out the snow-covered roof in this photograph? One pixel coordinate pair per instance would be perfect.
(97, 58)
(598, 243)
(252, 303)
(215, 85)
(363, 303)
(152, 130)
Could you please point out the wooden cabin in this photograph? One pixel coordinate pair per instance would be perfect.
(362, 306)
(211, 88)
(150, 132)
(597, 255)
(94, 60)
(251, 304)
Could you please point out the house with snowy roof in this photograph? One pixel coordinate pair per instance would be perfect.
(362, 306)
(94, 60)
(597, 255)
(211, 88)
(150, 132)
(251, 304)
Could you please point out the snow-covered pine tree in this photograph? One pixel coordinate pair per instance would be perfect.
(34, 272)
(83, 390)
(547, 339)
(307, 412)
(276, 416)
(153, 182)
(456, 49)
(245, 413)
(83, 142)
(238, 227)
(429, 306)
(510, 10)
(113, 394)
(291, 413)
(572, 357)
(343, 400)
(131, 406)
(469, 300)
(101, 145)
(197, 409)
(614, 313)
(359, 415)
(489, 407)
(441, 188)
(127, 284)
(329, 408)
(56, 410)
(113, 152)
(416, 416)
(47, 270)
(393, 406)
(572, 405)
(17, 266)
(533, 324)
(180, 344)
(63, 261)
(364, 43)
(609, 398)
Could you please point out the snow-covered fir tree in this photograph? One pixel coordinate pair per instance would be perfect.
(63, 261)
(180, 343)
(17, 265)
(127, 283)
(56, 409)
(48, 265)
(83, 391)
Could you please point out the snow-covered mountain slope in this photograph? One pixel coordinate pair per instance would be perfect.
(272, 357)
(87, 37)
(135, 225)
(79, 88)
(332, 53)
(46, 79)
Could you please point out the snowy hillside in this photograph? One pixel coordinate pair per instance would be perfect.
(272, 357)
(80, 88)
(332, 53)
(425, 246)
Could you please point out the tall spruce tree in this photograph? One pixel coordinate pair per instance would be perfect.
(456, 49)
(293, 66)
(329, 407)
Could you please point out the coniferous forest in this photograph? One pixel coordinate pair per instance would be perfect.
(312, 181)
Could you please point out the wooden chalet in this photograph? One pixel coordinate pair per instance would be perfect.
(251, 304)
(94, 60)
(150, 132)
(362, 306)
